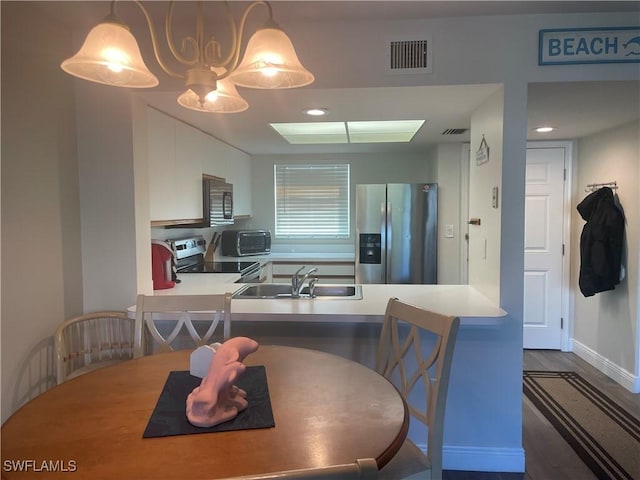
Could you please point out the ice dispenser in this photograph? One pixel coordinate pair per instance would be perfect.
(370, 248)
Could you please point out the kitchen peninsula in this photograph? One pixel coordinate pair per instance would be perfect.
(458, 300)
(479, 432)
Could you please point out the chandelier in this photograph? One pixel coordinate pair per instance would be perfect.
(110, 54)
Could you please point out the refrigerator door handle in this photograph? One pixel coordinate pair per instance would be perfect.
(383, 241)
(389, 243)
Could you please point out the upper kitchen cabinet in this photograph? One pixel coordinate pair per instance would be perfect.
(222, 160)
(213, 156)
(175, 171)
(239, 173)
(178, 156)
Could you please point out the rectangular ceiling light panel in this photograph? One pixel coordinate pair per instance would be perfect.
(391, 137)
(309, 133)
(392, 131)
(312, 132)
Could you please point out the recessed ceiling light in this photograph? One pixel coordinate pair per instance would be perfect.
(544, 129)
(316, 112)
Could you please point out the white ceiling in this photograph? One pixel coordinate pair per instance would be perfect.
(86, 13)
(441, 106)
(577, 109)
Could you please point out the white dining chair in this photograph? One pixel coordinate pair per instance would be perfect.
(161, 318)
(415, 353)
(363, 469)
(92, 341)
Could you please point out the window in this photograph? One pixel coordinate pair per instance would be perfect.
(312, 200)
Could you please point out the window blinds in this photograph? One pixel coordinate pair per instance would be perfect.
(312, 200)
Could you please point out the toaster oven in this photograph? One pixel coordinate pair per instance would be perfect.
(240, 243)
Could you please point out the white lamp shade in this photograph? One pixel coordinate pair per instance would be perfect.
(225, 99)
(270, 61)
(110, 55)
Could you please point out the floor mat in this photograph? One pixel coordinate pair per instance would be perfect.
(603, 434)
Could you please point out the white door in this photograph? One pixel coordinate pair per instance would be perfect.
(543, 251)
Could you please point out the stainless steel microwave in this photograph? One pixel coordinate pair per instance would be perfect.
(239, 243)
(217, 201)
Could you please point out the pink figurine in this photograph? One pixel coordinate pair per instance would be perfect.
(217, 400)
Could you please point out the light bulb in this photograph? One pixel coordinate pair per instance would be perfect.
(269, 71)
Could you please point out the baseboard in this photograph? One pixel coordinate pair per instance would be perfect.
(612, 370)
(482, 459)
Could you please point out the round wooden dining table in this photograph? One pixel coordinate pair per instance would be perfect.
(328, 410)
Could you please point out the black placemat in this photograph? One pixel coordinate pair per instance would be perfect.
(169, 417)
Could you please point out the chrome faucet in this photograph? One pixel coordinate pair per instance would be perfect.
(297, 283)
(312, 287)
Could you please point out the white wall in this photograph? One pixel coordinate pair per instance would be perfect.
(467, 50)
(106, 166)
(485, 238)
(606, 325)
(450, 212)
(442, 164)
(143, 236)
(41, 251)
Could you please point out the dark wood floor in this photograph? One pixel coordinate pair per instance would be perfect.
(548, 456)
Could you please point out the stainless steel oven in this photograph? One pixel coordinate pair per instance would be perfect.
(190, 259)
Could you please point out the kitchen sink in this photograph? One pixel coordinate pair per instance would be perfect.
(283, 290)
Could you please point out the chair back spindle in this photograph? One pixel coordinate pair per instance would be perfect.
(91, 341)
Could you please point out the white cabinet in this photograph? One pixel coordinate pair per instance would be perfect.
(187, 173)
(239, 174)
(161, 136)
(178, 157)
(161, 149)
(175, 171)
(222, 160)
(214, 153)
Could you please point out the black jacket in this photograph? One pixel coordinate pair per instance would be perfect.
(600, 243)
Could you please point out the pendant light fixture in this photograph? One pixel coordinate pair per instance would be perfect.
(270, 61)
(110, 55)
(224, 99)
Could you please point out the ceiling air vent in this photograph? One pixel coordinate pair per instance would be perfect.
(409, 56)
(454, 131)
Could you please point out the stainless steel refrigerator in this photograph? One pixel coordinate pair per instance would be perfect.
(396, 233)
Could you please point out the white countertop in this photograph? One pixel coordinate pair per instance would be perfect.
(459, 300)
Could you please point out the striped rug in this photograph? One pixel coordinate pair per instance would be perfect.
(602, 433)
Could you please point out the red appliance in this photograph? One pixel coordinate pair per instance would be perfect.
(161, 265)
